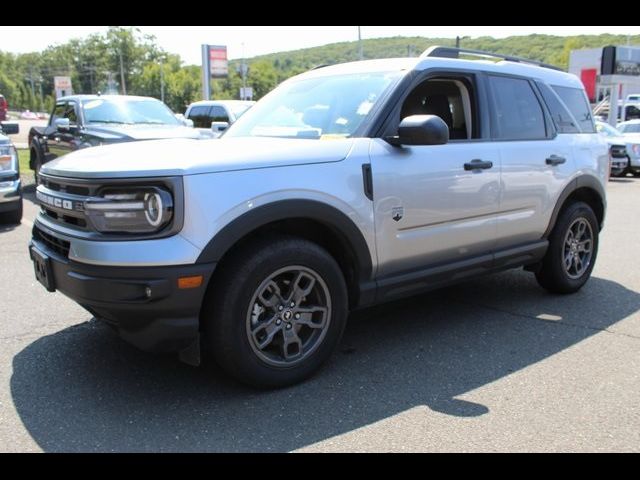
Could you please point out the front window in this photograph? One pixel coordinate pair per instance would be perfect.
(321, 107)
(128, 111)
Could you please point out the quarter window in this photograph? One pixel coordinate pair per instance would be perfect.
(518, 113)
(562, 118)
(219, 114)
(200, 116)
(576, 102)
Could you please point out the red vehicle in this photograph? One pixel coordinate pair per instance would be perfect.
(4, 106)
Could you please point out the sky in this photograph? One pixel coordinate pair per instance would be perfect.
(251, 41)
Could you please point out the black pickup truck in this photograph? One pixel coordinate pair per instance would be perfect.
(81, 121)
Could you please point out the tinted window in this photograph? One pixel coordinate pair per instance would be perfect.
(518, 113)
(218, 114)
(576, 102)
(200, 116)
(562, 118)
(58, 112)
(70, 113)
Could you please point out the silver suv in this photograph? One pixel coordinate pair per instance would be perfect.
(346, 186)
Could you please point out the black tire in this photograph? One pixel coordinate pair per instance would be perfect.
(13, 217)
(553, 275)
(636, 173)
(231, 302)
(36, 154)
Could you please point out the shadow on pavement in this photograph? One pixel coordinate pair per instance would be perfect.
(83, 389)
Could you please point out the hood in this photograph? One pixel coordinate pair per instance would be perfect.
(188, 157)
(123, 133)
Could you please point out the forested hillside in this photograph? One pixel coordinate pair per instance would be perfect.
(94, 64)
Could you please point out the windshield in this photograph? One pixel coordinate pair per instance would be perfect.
(607, 130)
(128, 111)
(320, 107)
(239, 109)
(629, 128)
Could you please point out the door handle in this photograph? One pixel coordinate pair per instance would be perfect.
(554, 160)
(478, 164)
(57, 139)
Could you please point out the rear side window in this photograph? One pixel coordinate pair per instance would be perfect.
(219, 114)
(518, 114)
(576, 102)
(200, 116)
(562, 118)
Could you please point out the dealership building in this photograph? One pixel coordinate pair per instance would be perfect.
(607, 72)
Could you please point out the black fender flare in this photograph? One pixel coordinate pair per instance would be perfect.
(583, 181)
(325, 214)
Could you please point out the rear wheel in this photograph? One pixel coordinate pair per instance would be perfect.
(573, 247)
(276, 312)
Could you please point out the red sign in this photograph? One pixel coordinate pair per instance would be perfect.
(218, 64)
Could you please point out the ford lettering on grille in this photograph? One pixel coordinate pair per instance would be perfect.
(59, 202)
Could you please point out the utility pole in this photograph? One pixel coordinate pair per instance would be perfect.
(457, 42)
(161, 80)
(360, 53)
(243, 69)
(124, 85)
(33, 89)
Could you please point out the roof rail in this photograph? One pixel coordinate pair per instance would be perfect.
(453, 52)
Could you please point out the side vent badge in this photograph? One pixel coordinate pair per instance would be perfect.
(397, 213)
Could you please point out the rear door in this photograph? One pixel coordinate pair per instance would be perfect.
(536, 162)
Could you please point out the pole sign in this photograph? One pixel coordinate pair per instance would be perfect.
(218, 63)
(62, 86)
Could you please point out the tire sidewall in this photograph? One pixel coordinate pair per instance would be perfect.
(229, 337)
(570, 215)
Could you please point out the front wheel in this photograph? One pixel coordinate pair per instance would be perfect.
(276, 311)
(573, 247)
(13, 217)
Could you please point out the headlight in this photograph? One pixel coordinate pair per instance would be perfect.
(130, 210)
(8, 158)
(636, 149)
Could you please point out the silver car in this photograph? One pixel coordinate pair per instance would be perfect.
(344, 187)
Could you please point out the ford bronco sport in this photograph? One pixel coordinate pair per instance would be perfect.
(346, 186)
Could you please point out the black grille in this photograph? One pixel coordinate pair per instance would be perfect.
(59, 186)
(618, 151)
(61, 247)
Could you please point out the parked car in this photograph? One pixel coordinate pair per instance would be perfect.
(4, 107)
(82, 121)
(346, 186)
(10, 185)
(617, 148)
(631, 132)
(212, 117)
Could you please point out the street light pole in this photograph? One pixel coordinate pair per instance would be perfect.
(161, 80)
(360, 54)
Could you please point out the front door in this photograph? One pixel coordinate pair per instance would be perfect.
(433, 204)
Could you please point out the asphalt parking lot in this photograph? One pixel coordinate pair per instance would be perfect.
(495, 364)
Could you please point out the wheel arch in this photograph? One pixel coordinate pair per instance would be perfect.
(585, 188)
(309, 219)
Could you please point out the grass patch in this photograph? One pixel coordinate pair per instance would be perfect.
(23, 157)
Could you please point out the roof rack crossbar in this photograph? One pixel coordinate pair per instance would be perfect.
(453, 52)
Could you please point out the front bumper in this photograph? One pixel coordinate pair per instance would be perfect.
(10, 194)
(144, 304)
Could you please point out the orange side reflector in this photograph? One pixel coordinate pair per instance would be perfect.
(190, 282)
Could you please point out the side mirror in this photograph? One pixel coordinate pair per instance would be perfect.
(187, 122)
(218, 127)
(62, 124)
(422, 130)
(10, 128)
